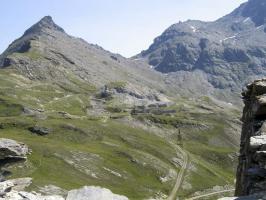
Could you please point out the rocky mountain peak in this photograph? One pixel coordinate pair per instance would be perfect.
(253, 9)
(256, 10)
(230, 51)
(46, 23)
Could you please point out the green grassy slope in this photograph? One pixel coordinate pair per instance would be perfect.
(130, 160)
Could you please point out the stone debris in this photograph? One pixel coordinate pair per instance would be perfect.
(12, 149)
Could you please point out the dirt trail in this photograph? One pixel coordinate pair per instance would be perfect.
(210, 194)
(180, 177)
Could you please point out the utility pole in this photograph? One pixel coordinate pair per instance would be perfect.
(179, 138)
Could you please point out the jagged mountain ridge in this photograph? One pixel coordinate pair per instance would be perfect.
(46, 52)
(226, 53)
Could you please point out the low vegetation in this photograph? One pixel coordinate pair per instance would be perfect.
(105, 151)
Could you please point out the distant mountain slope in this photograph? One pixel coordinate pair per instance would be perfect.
(108, 121)
(223, 55)
(46, 52)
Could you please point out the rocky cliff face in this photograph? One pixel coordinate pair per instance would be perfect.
(227, 53)
(251, 174)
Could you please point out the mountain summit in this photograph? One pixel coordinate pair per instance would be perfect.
(47, 53)
(227, 53)
(256, 10)
(46, 23)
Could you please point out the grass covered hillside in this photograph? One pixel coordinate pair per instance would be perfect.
(132, 150)
(94, 118)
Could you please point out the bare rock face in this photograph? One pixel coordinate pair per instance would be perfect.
(251, 174)
(229, 51)
(14, 184)
(93, 193)
(14, 195)
(12, 149)
(13, 190)
(20, 184)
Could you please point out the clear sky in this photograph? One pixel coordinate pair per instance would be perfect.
(120, 26)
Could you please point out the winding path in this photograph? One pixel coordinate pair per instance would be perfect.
(211, 194)
(180, 177)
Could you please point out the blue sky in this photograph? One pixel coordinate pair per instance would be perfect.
(121, 26)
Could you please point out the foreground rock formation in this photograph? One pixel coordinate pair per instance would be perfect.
(90, 193)
(12, 149)
(14, 189)
(251, 173)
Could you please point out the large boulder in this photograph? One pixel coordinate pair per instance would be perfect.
(12, 149)
(5, 187)
(36, 196)
(14, 195)
(257, 141)
(42, 131)
(13, 190)
(93, 193)
(14, 185)
(20, 184)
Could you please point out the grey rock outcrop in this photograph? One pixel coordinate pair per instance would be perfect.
(5, 187)
(132, 95)
(93, 193)
(53, 190)
(42, 131)
(15, 195)
(15, 184)
(251, 173)
(12, 149)
(20, 184)
(13, 190)
(228, 52)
